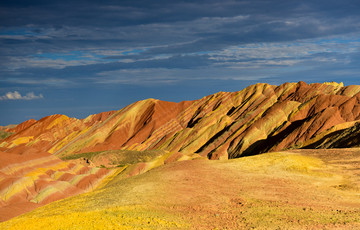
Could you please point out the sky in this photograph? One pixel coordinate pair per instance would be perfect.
(84, 57)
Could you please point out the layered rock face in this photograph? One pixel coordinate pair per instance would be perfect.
(29, 179)
(257, 119)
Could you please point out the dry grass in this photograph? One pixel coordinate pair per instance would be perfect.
(117, 158)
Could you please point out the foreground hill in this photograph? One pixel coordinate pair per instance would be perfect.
(303, 189)
(30, 179)
(258, 119)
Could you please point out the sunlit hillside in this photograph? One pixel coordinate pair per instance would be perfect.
(287, 190)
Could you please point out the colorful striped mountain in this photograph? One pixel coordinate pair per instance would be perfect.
(57, 156)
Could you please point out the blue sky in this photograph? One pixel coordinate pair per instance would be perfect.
(84, 57)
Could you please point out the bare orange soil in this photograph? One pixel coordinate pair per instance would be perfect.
(227, 195)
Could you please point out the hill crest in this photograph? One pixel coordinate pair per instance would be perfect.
(257, 119)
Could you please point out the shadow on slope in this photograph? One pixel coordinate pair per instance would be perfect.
(346, 138)
(262, 146)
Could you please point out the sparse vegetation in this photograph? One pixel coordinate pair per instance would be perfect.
(111, 218)
(264, 214)
(118, 158)
(89, 155)
(4, 134)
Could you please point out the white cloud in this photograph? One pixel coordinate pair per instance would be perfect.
(58, 63)
(164, 76)
(17, 96)
(330, 50)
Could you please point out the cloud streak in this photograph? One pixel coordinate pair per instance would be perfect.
(17, 96)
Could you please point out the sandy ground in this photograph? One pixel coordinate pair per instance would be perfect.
(302, 189)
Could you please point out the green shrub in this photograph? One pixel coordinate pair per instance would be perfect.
(4, 134)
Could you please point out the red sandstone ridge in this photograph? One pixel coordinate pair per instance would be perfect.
(21, 126)
(257, 119)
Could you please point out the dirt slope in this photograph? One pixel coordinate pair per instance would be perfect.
(302, 190)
